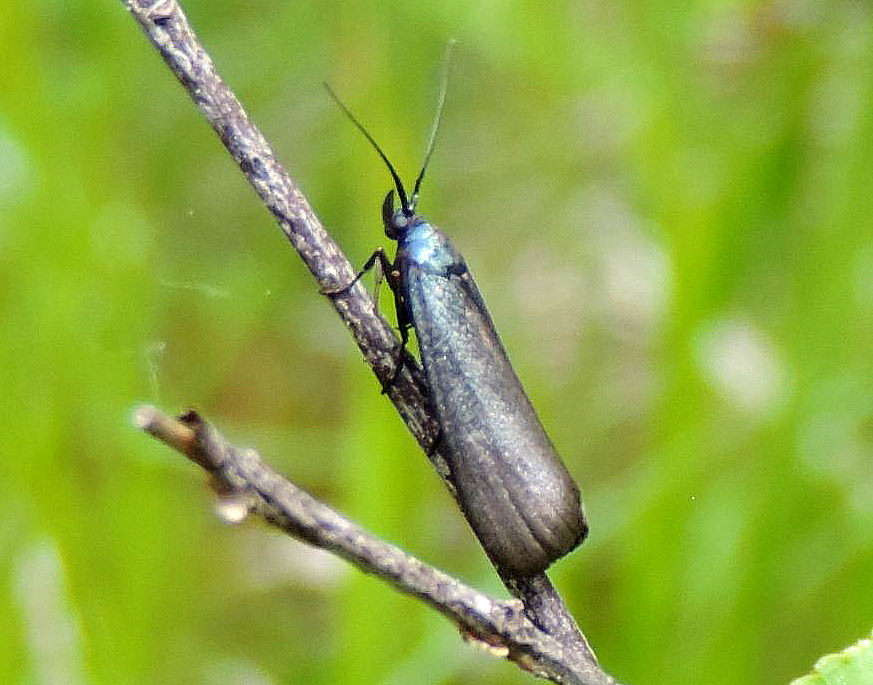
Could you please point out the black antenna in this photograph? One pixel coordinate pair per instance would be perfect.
(444, 83)
(401, 191)
(408, 204)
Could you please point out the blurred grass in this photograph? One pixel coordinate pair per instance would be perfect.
(668, 211)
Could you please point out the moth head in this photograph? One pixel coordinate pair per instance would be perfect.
(396, 221)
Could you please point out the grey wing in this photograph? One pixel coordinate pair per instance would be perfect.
(516, 492)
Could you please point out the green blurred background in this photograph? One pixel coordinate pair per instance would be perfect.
(668, 211)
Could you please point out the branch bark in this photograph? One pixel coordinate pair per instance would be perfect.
(246, 486)
(569, 658)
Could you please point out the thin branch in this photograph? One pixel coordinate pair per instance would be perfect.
(170, 33)
(240, 478)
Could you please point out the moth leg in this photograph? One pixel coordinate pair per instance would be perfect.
(404, 321)
(378, 255)
(391, 275)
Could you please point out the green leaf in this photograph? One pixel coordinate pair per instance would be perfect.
(852, 666)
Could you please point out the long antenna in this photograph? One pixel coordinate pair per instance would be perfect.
(444, 84)
(401, 191)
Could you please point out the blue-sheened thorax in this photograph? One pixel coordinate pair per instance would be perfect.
(426, 245)
(419, 241)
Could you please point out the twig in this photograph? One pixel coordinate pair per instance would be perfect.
(169, 31)
(239, 476)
